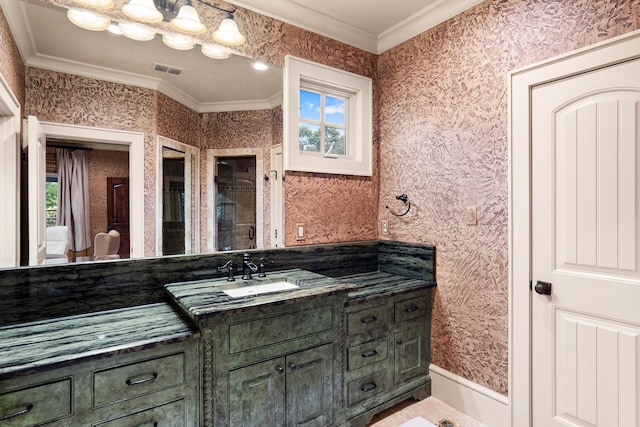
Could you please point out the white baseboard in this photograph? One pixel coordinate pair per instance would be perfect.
(480, 403)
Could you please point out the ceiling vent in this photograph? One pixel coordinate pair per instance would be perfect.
(168, 69)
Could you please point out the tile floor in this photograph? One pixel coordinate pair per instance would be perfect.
(431, 409)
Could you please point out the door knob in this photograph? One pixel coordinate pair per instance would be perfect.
(543, 288)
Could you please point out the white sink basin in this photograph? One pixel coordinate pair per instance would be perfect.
(245, 291)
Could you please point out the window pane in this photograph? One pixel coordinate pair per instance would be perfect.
(334, 110)
(334, 141)
(309, 137)
(309, 105)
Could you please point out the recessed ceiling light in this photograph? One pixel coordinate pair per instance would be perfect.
(260, 66)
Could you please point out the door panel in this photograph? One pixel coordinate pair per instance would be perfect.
(118, 212)
(310, 387)
(257, 394)
(36, 142)
(585, 345)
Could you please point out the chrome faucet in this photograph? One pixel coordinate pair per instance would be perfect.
(248, 267)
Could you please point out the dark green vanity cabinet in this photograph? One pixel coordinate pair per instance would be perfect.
(274, 364)
(158, 386)
(387, 353)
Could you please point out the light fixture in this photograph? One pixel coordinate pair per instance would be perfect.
(228, 32)
(260, 66)
(88, 19)
(96, 4)
(142, 10)
(136, 31)
(114, 29)
(187, 20)
(178, 41)
(216, 51)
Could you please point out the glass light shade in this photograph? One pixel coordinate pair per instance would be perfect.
(142, 10)
(88, 20)
(228, 33)
(136, 31)
(178, 41)
(114, 29)
(97, 4)
(216, 52)
(188, 21)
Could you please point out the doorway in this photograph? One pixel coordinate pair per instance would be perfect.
(574, 263)
(236, 203)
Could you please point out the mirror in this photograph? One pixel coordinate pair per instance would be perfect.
(219, 95)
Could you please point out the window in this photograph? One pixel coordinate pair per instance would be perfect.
(327, 119)
(51, 200)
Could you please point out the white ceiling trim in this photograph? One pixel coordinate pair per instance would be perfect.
(429, 17)
(254, 104)
(303, 17)
(19, 28)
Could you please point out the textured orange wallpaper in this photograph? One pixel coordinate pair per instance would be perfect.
(443, 140)
(11, 65)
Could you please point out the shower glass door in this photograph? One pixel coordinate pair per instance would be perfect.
(236, 203)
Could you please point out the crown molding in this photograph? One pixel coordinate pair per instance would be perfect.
(309, 19)
(250, 105)
(16, 17)
(420, 22)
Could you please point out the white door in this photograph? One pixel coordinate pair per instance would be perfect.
(586, 235)
(277, 187)
(35, 140)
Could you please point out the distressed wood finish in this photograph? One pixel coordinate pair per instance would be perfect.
(387, 362)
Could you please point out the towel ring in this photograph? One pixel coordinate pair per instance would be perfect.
(405, 199)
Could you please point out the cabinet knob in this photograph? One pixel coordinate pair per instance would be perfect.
(280, 369)
(368, 387)
(293, 365)
(399, 342)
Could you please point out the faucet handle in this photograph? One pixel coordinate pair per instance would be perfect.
(228, 265)
(261, 272)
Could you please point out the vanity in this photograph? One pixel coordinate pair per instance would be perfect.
(328, 349)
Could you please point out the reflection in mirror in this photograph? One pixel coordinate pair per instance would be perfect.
(236, 203)
(75, 75)
(178, 198)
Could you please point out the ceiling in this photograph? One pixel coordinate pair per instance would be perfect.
(208, 85)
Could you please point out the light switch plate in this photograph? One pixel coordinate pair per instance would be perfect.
(384, 226)
(300, 231)
(472, 215)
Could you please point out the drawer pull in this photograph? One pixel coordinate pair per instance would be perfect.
(369, 353)
(368, 387)
(369, 319)
(154, 424)
(27, 409)
(145, 380)
(412, 308)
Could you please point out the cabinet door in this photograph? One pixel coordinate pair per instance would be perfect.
(310, 387)
(410, 354)
(257, 394)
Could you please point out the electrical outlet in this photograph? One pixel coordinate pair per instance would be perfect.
(300, 231)
(385, 227)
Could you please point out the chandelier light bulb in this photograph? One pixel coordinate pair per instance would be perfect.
(178, 41)
(88, 20)
(142, 10)
(136, 31)
(96, 4)
(228, 32)
(215, 51)
(188, 21)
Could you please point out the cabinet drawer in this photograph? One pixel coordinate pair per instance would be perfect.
(367, 387)
(410, 309)
(366, 320)
(169, 414)
(367, 353)
(271, 330)
(137, 379)
(36, 405)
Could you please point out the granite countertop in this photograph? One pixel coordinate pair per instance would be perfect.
(59, 342)
(380, 284)
(204, 298)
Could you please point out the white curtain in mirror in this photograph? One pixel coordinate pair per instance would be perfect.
(73, 196)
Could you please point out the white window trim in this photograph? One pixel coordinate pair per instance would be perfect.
(360, 151)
